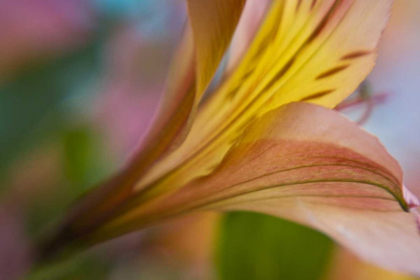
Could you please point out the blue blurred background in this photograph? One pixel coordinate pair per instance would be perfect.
(79, 83)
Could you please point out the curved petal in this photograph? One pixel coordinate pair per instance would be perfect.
(213, 23)
(311, 165)
(205, 40)
(363, 210)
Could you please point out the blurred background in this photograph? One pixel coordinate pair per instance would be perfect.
(79, 83)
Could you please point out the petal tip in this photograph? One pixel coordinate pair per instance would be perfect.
(416, 214)
(410, 198)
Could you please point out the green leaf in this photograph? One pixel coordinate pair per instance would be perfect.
(256, 246)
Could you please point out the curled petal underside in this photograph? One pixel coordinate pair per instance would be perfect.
(311, 165)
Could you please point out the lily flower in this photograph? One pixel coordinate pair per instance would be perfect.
(265, 138)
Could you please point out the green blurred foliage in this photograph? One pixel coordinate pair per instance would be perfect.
(84, 166)
(43, 104)
(81, 268)
(84, 159)
(30, 100)
(36, 109)
(260, 247)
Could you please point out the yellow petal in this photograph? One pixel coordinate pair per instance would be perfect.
(317, 53)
